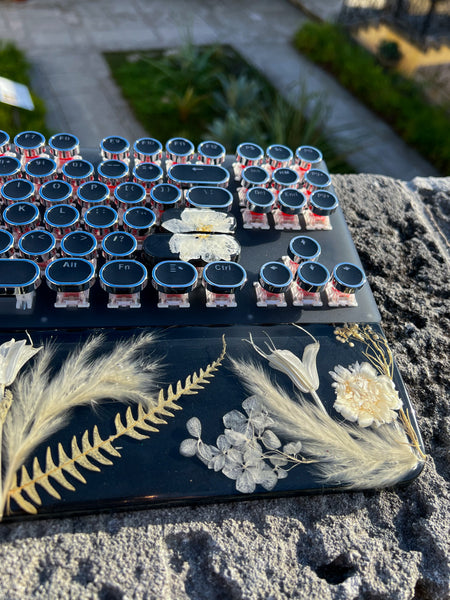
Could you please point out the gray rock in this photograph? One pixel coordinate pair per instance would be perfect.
(386, 545)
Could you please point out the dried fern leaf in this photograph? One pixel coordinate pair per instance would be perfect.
(91, 452)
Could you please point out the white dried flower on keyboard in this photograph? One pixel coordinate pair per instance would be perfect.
(13, 356)
(364, 396)
(202, 221)
(208, 247)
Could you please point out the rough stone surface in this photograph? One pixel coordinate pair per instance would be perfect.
(386, 545)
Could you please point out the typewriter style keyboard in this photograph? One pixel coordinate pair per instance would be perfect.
(114, 237)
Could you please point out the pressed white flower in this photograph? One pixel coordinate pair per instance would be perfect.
(13, 355)
(302, 372)
(201, 220)
(208, 247)
(364, 396)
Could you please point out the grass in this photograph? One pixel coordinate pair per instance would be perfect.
(212, 93)
(14, 66)
(399, 101)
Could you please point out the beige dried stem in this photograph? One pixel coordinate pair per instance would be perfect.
(42, 402)
(346, 455)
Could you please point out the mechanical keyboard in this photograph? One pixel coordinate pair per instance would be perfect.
(196, 246)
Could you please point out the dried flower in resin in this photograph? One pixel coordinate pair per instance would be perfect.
(201, 221)
(13, 355)
(210, 248)
(364, 396)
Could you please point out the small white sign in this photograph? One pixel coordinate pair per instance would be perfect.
(15, 94)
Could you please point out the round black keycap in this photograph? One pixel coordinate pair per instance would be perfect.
(21, 214)
(55, 192)
(123, 277)
(139, 220)
(147, 173)
(211, 152)
(323, 203)
(4, 141)
(279, 154)
(118, 244)
(224, 277)
(29, 140)
(347, 278)
(112, 171)
(285, 177)
(6, 244)
(275, 277)
(63, 143)
(307, 156)
(40, 167)
(93, 193)
(303, 248)
(18, 275)
(248, 153)
(180, 148)
(9, 167)
(147, 149)
(174, 277)
(37, 245)
(77, 170)
(312, 276)
(17, 190)
(115, 146)
(80, 244)
(70, 274)
(165, 195)
(254, 176)
(129, 194)
(101, 217)
(186, 175)
(291, 201)
(316, 178)
(260, 200)
(209, 197)
(61, 217)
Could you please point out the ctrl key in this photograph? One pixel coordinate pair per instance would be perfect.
(72, 279)
(19, 277)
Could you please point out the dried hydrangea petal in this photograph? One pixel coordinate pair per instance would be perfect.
(194, 427)
(188, 447)
(270, 440)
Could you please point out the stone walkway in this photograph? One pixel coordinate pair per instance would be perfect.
(64, 42)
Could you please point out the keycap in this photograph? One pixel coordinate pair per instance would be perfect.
(180, 150)
(211, 153)
(92, 193)
(77, 171)
(39, 170)
(118, 245)
(115, 147)
(55, 192)
(311, 279)
(209, 197)
(249, 154)
(274, 281)
(321, 205)
(147, 150)
(285, 177)
(163, 197)
(81, 244)
(346, 280)
(39, 246)
(174, 279)
(278, 156)
(101, 220)
(71, 278)
(6, 244)
(303, 248)
(315, 179)
(20, 278)
(307, 157)
(64, 146)
(10, 168)
(259, 202)
(17, 190)
(187, 175)
(221, 280)
(148, 175)
(123, 280)
(127, 195)
(61, 219)
(139, 221)
(21, 217)
(29, 144)
(112, 172)
(4, 142)
(290, 204)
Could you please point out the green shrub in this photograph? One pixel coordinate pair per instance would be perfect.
(211, 92)
(14, 66)
(397, 100)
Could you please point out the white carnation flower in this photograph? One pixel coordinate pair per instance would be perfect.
(364, 396)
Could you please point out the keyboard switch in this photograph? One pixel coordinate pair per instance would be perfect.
(72, 279)
(174, 279)
(321, 205)
(259, 202)
(123, 280)
(221, 280)
(346, 279)
(274, 281)
(311, 279)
